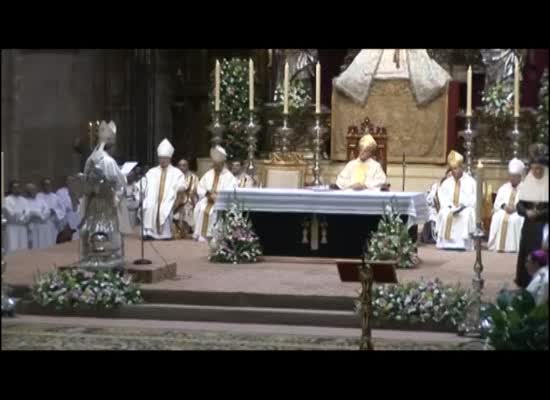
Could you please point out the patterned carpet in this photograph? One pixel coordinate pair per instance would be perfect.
(52, 337)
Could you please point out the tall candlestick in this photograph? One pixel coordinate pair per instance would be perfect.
(516, 88)
(318, 89)
(251, 85)
(286, 84)
(469, 93)
(479, 194)
(217, 87)
(269, 58)
(2, 179)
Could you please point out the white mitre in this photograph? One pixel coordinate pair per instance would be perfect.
(516, 167)
(218, 154)
(165, 149)
(107, 132)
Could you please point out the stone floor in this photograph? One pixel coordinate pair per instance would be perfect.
(50, 333)
(290, 277)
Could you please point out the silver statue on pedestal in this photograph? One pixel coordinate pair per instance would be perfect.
(499, 66)
(101, 244)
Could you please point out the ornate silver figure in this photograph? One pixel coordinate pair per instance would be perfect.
(101, 244)
(301, 65)
(499, 66)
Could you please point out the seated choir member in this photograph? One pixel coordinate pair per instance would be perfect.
(16, 214)
(57, 210)
(39, 214)
(363, 173)
(457, 200)
(213, 181)
(506, 223)
(162, 184)
(244, 180)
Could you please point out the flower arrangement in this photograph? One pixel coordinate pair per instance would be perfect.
(498, 102)
(73, 288)
(515, 322)
(420, 302)
(235, 240)
(234, 113)
(298, 96)
(391, 241)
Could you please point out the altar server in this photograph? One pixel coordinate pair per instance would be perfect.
(39, 213)
(506, 223)
(244, 180)
(57, 211)
(162, 184)
(15, 212)
(213, 181)
(184, 206)
(363, 173)
(457, 199)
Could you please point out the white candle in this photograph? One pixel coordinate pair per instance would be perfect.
(318, 89)
(251, 85)
(516, 88)
(217, 87)
(479, 194)
(469, 93)
(269, 58)
(286, 84)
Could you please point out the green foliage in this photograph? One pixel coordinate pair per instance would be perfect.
(515, 322)
(392, 241)
(73, 288)
(234, 113)
(542, 110)
(298, 96)
(235, 240)
(421, 302)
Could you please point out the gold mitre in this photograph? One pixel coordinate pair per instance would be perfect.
(367, 142)
(455, 159)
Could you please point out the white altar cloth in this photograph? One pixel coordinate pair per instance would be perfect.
(311, 201)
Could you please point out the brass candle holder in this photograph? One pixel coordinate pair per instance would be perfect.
(515, 135)
(468, 134)
(318, 132)
(285, 132)
(252, 130)
(216, 128)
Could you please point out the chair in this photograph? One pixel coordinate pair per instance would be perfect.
(286, 171)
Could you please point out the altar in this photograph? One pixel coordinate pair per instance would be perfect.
(320, 223)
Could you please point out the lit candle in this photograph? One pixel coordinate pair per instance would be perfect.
(269, 58)
(479, 194)
(217, 87)
(469, 93)
(516, 88)
(285, 108)
(251, 85)
(318, 89)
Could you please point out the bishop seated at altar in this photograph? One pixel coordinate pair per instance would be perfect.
(162, 185)
(457, 199)
(506, 223)
(363, 173)
(216, 179)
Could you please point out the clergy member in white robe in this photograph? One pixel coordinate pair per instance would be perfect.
(39, 214)
(15, 212)
(244, 180)
(213, 181)
(71, 205)
(184, 206)
(457, 199)
(57, 211)
(162, 184)
(506, 223)
(363, 173)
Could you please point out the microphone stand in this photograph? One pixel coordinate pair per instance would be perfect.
(142, 260)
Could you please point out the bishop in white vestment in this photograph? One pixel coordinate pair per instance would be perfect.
(39, 214)
(363, 173)
(213, 181)
(15, 211)
(57, 211)
(457, 199)
(506, 223)
(161, 185)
